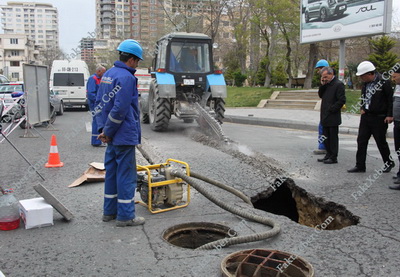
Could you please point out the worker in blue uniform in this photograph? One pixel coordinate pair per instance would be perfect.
(117, 115)
(92, 87)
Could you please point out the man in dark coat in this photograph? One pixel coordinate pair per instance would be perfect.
(333, 98)
(376, 114)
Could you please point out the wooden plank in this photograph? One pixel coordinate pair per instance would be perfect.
(52, 200)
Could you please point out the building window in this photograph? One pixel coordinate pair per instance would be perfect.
(13, 41)
(14, 53)
(15, 75)
(14, 63)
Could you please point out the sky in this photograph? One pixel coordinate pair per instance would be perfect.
(77, 20)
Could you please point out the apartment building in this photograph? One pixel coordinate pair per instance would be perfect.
(38, 21)
(87, 50)
(15, 50)
(142, 20)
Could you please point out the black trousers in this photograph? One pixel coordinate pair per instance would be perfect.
(331, 141)
(396, 134)
(372, 125)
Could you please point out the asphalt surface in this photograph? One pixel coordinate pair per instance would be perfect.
(88, 247)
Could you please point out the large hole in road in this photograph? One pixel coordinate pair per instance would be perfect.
(286, 198)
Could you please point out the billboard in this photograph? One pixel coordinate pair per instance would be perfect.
(322, 20)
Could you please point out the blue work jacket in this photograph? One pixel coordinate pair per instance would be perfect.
(92, 87)
(117, 107)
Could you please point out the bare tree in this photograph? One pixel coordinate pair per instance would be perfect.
(239, 15)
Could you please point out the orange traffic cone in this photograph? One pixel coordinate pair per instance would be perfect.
(54, 158)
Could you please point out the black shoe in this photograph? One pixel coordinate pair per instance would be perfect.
(356, 169)
(330, 161)
(323, 159)
(397, 187)
(389, 168)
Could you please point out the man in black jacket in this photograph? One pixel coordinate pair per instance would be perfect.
(333, 98)
(376, 114)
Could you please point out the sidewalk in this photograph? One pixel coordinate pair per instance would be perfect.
(292, 119)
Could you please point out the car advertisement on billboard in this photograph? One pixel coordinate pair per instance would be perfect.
(338, 19)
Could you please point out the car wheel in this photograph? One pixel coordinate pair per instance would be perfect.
(307, 17)
(61, 111)
(53, 115)
(323, 15)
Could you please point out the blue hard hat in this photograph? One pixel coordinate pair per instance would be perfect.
(131, 46)
(322, 63)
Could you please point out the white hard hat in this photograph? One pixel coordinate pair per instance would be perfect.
(365, 67)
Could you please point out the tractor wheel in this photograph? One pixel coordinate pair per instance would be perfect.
(144, 117)
(219, 107)
(159, 110)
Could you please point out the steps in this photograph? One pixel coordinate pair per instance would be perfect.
(292, 99)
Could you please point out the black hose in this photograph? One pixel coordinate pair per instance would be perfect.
(238, 211)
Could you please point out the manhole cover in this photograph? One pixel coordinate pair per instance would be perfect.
(263, 262)
(195, 234)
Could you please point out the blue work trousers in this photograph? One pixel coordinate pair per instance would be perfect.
(120, 181)
(95, 133)
(321, 144)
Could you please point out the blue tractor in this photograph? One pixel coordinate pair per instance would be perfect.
(183, 79)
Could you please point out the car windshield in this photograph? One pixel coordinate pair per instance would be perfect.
(9, 88)
(191, 57)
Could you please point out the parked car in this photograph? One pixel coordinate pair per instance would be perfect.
(12, 90)
(324, 9)
(57, 102)
(8, 91)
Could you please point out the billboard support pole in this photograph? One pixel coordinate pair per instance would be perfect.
(342, 63)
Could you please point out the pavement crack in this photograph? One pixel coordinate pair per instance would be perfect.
(379, 232)
(355, 261)
(155, 253)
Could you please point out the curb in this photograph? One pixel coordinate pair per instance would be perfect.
(290, 124)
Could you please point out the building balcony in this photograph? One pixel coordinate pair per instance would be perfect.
(106, 8)
(106, 2)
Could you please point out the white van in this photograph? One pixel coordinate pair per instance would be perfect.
(68, 79)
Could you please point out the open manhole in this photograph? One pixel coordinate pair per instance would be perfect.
(263, 262)
(195, 234)
(285, 198)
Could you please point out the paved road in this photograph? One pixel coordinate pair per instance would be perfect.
(88, 247)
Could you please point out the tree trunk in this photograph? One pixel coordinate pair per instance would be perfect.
(271, 42)
(312, 60)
